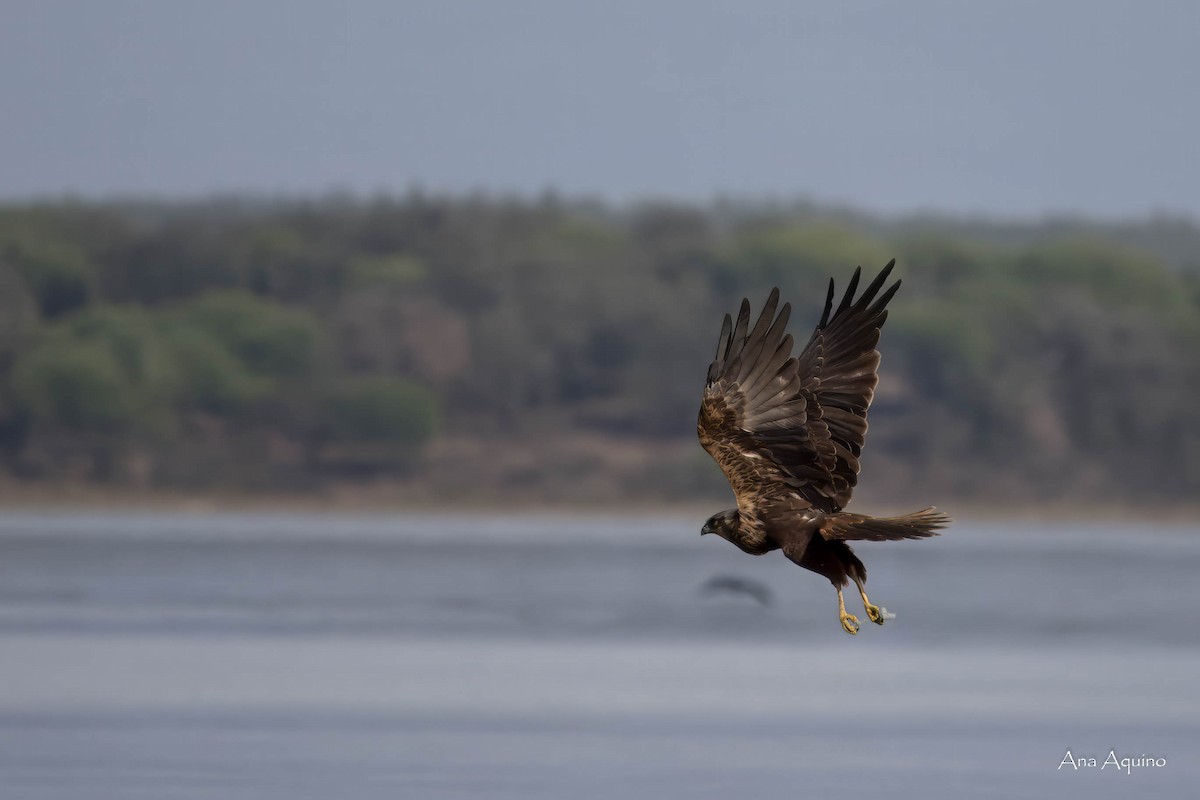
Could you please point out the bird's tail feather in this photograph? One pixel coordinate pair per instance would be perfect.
(858, 527)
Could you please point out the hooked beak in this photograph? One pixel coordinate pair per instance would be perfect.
(705, 530)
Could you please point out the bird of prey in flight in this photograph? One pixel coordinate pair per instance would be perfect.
(787, 430)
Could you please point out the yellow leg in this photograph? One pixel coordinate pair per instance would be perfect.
(849, 621)
(874, 613)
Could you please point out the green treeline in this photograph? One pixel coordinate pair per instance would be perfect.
(555, 350)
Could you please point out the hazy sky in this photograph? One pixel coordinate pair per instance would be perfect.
(1010, 108)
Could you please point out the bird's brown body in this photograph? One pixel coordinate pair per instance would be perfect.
(787, 432)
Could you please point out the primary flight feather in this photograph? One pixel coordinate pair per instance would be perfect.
(787, 431)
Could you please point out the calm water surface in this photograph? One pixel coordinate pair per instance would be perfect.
(277, 656)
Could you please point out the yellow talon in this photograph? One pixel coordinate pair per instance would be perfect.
(874, 613)
(849, 621)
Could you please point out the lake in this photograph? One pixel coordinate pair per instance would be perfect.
(149, 655)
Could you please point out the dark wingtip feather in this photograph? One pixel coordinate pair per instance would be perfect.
(848, 297)
(883, 273)
(828, 306)
(873, 289)
(884, 299)
(743, 321)
(768, 312)
(757, 339)
(765, 317)
(725, 339)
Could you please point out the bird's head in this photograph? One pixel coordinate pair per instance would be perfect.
(723, 524)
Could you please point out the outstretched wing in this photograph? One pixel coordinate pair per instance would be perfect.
(801, 421)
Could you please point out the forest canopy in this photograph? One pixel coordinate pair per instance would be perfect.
(554, 350)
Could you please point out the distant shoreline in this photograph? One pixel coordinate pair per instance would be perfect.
(427, 352)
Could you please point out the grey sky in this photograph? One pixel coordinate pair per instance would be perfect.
(1010, 108)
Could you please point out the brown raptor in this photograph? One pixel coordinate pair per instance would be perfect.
(787, 432)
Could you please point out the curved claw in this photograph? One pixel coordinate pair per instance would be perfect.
(849, 623)
(877, 615)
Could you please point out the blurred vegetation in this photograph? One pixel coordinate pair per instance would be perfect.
(555, 350)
